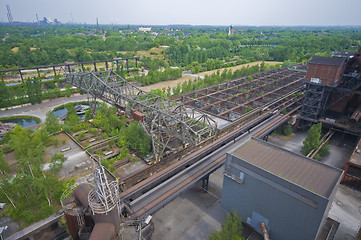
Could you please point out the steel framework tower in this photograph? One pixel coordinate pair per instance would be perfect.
(10, 16)
(164, 120)
(105, 196)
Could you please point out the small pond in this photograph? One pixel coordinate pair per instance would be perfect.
(61, 112)
(23, 122)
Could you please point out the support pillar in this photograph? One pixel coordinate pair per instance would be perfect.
(265, 138)
(82, 67)
(92, 101)
(136, 62)
(69, 69)
(205, 183)
(127, 64)
(95, 66)
(21, 75)
(54, 71)
(106, 65)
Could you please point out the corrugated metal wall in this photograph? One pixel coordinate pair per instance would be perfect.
(289, 217)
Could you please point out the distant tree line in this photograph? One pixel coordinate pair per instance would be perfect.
(25, 47)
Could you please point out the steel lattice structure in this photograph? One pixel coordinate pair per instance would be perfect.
(317, 98)
(164, 120)
(105, 196)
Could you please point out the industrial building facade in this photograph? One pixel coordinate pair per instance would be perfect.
(290, 193)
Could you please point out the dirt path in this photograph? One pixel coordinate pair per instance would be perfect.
(173, 83)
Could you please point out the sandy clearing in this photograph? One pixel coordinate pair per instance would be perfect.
(173, 83)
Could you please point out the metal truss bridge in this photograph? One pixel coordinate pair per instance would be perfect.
(170, 125)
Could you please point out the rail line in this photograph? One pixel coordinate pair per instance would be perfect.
(165, 192)
(157, 190)
(151, 176)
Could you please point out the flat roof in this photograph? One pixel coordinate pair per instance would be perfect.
(297, 169)
(331, 61)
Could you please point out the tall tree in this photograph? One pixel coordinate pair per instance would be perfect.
(4, 165)
(4, 95)
(52, 124)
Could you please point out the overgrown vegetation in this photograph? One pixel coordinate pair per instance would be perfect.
(32, 194)
(285, 130)
(313, 142)
(155, 76)
(231, 229)
(32, 90)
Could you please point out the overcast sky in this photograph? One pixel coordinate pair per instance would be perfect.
(194, 12)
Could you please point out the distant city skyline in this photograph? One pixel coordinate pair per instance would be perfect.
(196, 12)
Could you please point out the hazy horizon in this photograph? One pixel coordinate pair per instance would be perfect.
(197, 13)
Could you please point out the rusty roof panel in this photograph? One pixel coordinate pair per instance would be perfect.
(331, 61)
(307, 173)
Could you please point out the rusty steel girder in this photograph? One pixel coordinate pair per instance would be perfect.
(164, 119)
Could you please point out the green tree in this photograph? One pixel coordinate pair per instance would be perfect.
(287, 131)
(4, 165)
(72, 118)
(231, 229)
(68, 90)
(138, 139)
(43, 189)
(4, 95)
(57, 162)
(312, 140)
(52, 124)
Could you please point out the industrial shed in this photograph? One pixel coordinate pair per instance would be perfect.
(325, 70)
(290, 193)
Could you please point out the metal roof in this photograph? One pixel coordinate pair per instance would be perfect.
(331, 61)
(305, 172)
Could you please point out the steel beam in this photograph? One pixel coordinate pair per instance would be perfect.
(164, 119)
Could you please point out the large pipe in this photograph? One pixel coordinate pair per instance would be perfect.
(264, 231)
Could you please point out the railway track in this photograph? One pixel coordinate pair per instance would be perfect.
(165, 192)
(149, 177)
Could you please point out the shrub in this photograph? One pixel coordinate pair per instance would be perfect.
(287, 131)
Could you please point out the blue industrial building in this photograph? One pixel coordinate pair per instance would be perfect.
(290, 193)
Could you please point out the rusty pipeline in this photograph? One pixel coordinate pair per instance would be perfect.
(264, 231)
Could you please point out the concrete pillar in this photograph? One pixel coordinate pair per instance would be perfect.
(205, 183)
(95, 66)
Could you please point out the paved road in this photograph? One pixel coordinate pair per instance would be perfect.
(40, 110)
